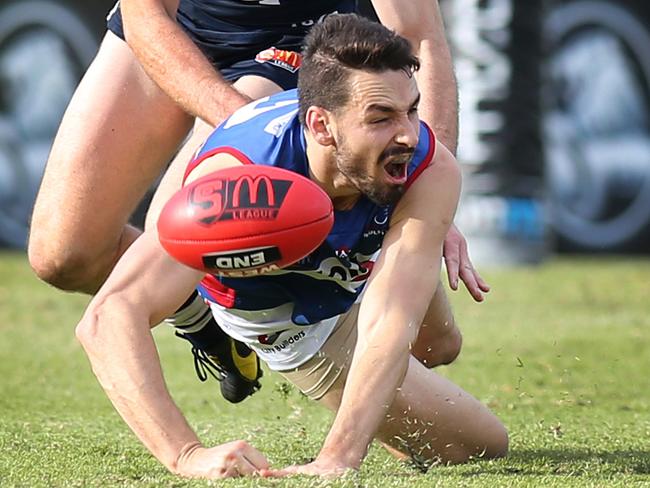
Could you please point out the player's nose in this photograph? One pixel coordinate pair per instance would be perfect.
(407, 134)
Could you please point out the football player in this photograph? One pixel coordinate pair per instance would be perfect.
(354, 130)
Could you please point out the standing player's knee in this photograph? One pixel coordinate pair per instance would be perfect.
(66, 269)
(59, 272)
(42, 261)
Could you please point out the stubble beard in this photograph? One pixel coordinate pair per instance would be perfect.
(352, 169)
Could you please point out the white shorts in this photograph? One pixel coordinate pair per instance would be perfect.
(280, 343)
(316, 376)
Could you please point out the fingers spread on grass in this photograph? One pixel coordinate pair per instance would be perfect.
(230, 460)
(255, 457)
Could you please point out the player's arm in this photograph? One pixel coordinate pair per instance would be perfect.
(398, 294)
(420, 21)
(175, 63)
(395, 301)
(146, 286)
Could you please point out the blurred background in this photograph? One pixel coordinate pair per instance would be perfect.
(554, 110)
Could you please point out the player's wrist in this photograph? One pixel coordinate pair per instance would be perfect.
(341, 457)
(220, 100)
(180, 464)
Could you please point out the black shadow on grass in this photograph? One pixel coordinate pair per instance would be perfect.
(569, 462)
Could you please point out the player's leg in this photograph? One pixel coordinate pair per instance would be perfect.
(431, 419)
(117, 134)
(439, 340)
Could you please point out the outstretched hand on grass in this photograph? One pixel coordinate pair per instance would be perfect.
(459, 264)
(230, 460)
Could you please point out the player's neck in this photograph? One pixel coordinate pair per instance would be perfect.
(345, 203)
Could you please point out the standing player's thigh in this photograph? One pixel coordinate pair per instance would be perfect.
(439, 340)
(117, 134)
(252, 86)
(433, 419)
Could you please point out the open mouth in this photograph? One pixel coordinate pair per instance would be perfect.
(396, 171)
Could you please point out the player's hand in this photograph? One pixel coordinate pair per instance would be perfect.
(230, 460)
(319, 467)
(459, 265)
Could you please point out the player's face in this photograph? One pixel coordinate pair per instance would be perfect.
(376, 133)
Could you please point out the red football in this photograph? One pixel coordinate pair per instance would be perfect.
(245, 220)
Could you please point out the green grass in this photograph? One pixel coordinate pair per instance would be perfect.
(561, 353)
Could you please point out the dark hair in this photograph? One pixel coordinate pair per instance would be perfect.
(342, 42)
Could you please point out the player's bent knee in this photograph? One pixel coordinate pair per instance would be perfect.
(444, 351)
(452, 344)
(60, 274)
(490, 443)
(66, 270)
(498, 444)
(491, 439)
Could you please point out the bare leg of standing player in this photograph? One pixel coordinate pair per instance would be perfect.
(117, 134)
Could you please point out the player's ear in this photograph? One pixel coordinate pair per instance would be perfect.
(319, 124)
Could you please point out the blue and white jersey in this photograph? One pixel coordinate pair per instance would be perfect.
(288, 314)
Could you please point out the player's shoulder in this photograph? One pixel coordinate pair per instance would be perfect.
(260, 112)
(260, 123)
